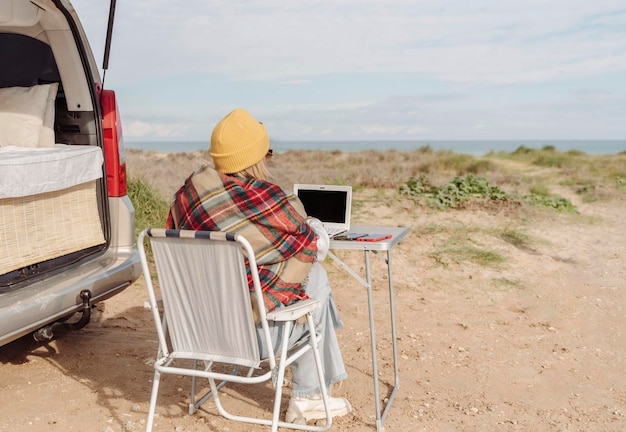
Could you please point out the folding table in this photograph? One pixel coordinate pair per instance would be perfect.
(386, 245)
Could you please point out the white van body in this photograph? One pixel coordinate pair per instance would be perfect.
(43, 46)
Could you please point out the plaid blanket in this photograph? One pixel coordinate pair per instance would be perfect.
(273, 222)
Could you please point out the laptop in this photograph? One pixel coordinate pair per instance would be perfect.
(329, 203)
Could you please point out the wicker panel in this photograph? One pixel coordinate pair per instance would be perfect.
(41, 227)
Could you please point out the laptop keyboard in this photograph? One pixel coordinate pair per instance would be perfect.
(334, 231)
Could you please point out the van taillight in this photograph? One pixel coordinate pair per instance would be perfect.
(114, 156)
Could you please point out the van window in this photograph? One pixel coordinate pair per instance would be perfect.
(38, 67)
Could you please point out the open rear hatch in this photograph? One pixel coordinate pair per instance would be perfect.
(48, 231)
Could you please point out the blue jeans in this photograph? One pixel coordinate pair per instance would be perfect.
(326, 318)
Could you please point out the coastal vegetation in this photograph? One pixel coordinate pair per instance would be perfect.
(150, 208)
(511, 171)
(523, 185)
(441, 179)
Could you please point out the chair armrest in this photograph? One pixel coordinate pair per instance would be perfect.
(293, 311)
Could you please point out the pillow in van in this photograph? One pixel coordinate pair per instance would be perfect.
(46, 136)
(21, 114)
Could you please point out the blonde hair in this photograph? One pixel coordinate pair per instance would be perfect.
(257, 171)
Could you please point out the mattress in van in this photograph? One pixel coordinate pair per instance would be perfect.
(48, 203)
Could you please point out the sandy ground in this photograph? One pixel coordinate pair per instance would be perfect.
(535, 343)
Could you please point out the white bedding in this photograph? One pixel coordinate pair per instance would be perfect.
(29, 171)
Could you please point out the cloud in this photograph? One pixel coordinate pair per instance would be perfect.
(482, 42)
(139, 130)
(369, 68)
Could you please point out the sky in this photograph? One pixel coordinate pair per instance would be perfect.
(380, 70)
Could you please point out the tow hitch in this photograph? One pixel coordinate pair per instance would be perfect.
(47, 333)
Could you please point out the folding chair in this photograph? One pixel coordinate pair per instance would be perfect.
(208, 319)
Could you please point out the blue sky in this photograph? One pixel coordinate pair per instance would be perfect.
(368, 69)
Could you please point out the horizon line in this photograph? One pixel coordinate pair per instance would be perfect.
(396, 140)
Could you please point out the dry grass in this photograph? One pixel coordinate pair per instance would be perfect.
(543, 173)
(376, 169)
(514, 172)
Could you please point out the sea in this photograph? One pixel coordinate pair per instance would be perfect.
(474, 148)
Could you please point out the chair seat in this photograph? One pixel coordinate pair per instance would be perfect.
(293, 311)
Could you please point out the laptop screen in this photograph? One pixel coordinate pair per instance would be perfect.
(325, 205)
(331, 204)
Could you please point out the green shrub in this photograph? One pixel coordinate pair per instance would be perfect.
(555, 202)
(150, 209)
(463, 190)
(452, 195)
(416, 186)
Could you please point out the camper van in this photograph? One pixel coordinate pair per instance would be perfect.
(67, 227)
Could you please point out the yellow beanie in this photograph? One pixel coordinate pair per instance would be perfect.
(238, 142)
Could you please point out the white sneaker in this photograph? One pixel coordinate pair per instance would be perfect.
(312, 408)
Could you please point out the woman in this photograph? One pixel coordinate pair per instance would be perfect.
(237, 197)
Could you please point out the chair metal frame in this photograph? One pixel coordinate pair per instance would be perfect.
(165, 245)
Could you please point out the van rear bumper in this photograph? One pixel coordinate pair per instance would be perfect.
(24, 310)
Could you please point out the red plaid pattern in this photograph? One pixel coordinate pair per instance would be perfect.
(272, 221)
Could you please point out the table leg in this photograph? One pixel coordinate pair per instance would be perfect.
(394, 339)
(370, 310)
(367, 283)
